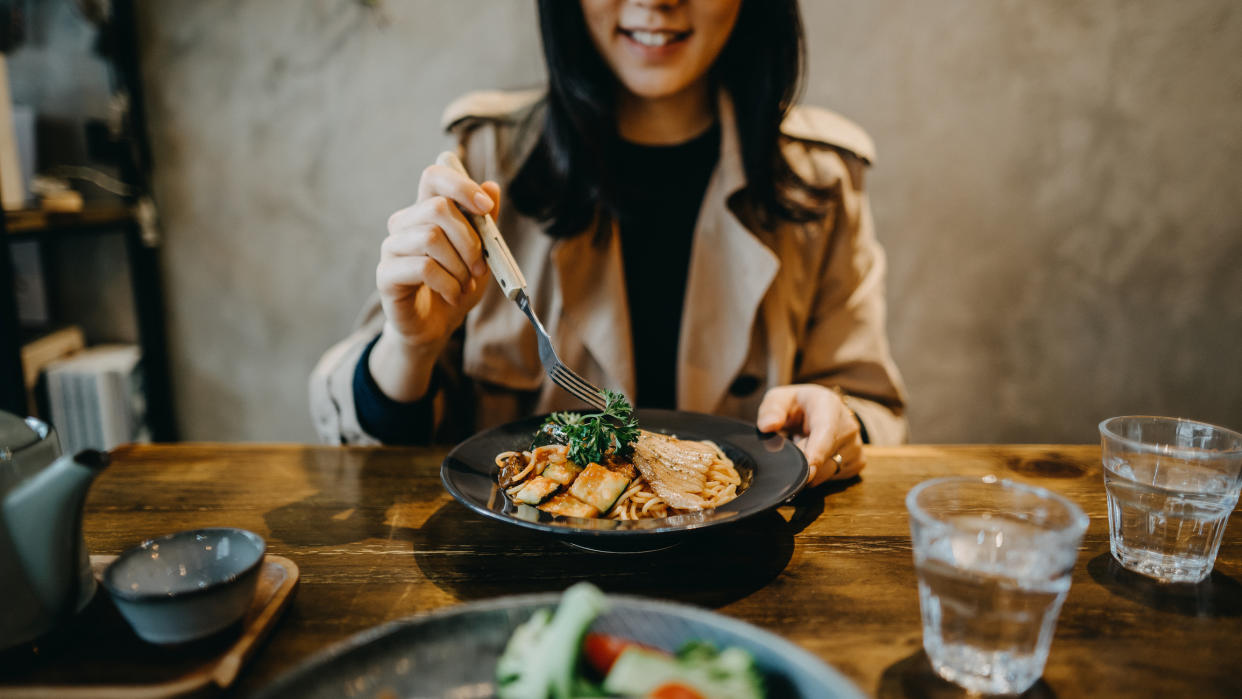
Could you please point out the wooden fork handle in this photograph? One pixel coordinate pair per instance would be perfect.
(495, 251)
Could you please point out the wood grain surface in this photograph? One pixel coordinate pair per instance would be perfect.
(377, 538)
(97, 655)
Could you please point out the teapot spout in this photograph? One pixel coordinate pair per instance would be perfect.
(43, 516)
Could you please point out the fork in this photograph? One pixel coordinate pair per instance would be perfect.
(513, 284)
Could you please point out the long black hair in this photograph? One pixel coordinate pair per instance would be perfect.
(565, 181)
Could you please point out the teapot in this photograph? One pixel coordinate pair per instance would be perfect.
(45, 573)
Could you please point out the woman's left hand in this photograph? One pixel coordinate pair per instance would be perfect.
(821, 425)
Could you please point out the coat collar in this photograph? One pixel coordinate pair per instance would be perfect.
(730, 271)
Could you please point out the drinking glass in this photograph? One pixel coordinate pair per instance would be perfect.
(1171, 484)
(993, 559)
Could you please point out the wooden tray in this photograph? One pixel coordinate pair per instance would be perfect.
(98, 655)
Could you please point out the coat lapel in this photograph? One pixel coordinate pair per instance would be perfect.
(730, 271)
(592, 288)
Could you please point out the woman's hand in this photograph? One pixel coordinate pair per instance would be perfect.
(821, 425)
(430, 274)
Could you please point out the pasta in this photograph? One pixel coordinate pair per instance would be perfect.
(639, 499)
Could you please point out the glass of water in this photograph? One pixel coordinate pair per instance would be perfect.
(993, 559)
(1171, 484)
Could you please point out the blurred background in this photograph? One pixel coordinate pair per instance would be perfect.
(1058, 187)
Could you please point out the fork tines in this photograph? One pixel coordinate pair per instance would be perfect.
(582, 389)
(560, 374)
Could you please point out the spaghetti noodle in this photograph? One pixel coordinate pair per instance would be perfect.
(639, 500)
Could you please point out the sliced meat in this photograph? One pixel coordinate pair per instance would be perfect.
(676, 469)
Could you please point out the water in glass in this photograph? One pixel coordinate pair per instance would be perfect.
(1166, 515)
(990, 592)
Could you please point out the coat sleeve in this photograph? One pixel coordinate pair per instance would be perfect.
(335, 412)
(846, 345)
(332, 382)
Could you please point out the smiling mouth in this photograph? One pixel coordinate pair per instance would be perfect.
(654, 38)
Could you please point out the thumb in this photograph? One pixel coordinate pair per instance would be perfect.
(493, 191)
(778, 409)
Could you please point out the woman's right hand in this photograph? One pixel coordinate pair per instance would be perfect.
(431, 273)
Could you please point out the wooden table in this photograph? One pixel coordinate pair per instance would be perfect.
(377, 538)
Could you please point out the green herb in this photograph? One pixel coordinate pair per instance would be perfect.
(591, 436)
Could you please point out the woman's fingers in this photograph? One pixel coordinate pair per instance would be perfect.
(820, 440)
(779, 410)
(460, 233)
(835, 440)
(427, 240)
(493, 190)
(822, 426)
(398, 276)
(441, 212)
(852, 460)
(438, 180)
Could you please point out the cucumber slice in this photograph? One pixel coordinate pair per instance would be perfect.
(637, 671)
(599, 487)
(563, 473)
(536, 490)
(567, 505)
(729, 674)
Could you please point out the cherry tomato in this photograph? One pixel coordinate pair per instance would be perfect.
(674, 691)
(602, 650)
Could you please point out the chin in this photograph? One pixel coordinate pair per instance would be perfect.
(653, 85)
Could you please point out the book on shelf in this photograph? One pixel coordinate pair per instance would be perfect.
(46, 348)
(12, 191)
(41, 348)
(95, 398)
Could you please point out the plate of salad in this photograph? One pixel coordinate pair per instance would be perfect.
(581, 644)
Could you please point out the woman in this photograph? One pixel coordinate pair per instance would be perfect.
(663, 163)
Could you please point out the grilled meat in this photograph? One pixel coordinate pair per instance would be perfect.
(675, 469)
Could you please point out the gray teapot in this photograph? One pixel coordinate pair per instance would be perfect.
(45, 573)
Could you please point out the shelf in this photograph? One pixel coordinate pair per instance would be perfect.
(34, 221)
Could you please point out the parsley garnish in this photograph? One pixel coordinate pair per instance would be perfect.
(591, 436)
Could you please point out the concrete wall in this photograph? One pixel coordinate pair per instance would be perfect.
(1059, 188)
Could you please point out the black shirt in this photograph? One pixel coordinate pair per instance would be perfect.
(659, 191)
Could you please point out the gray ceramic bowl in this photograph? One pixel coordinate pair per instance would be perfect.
(453, 652)
(188, 585)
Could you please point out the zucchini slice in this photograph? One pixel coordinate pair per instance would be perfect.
(536, 490)
(599, 487)
(562, 472)
(543, 456)
(567, 505)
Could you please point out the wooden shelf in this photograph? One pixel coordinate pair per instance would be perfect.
(46, 228)
(27, 221)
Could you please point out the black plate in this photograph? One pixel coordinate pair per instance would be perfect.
(771, 467)
(453, 653)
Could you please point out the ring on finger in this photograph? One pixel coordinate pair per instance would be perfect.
(839, 461)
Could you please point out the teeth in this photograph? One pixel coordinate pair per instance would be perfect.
(651, 38)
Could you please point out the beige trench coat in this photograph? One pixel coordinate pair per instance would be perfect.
(797, 303)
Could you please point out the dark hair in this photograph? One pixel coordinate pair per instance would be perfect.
(565, 181)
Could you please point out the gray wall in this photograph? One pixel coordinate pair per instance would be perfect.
(1059, 188)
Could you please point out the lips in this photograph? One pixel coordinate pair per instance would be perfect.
(654, 38)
